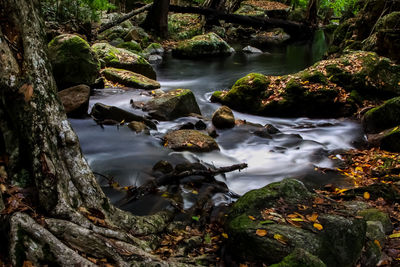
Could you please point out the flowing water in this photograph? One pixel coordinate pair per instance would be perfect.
(303, 145)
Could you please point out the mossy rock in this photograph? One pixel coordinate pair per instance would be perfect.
(339, 243)
(132, 46)
(189, 140)
(118, 31)
(314, 77)
(154, 49)
(130, 79)
(223, 118)
(377, 215)
(137, 34)
(250, 10)
(245, 93)
(123, 59)
(172, 105)
(184, 26)
(202, 45)
(73, 61)
(382, 117)
(300, 258)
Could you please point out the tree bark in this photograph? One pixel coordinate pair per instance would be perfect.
(157, 18)
(45, 155)
(312, 12)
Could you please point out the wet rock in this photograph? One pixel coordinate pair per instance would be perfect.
(382, 117)
(372, 254)
(138, 127)
(387, 140)
(202, 45)
(187, 126)
(124, 59)
(154, 49)
(73, 61)
(375, 231)
(190, 140)
(211, 131)
(266, 131)
(154, 59)
(276, 37)
(101, 112)
(330, 244)
(298, 258)
(99, 83)
(130, 79)
(75, 100)
(251, 50)
(200, 125)
(119, 31)
(163, 166)
(173, 104)
(223, 118)
(131, 46)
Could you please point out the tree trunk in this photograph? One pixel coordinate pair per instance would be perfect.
(44, 154)
(157, 18)
(312, 12)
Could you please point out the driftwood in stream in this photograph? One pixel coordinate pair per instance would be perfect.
(123, 18)
(170, 178)
(292, 28)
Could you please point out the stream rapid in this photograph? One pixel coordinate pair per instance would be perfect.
(303, 145)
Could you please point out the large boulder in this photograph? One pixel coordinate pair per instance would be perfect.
(116, 32)
(172, 105)
(75, 100)
(73, 61)
(268, 224)
(104, 113)
(223, 118)
(330, 88)
(382, 117)
(129, 79)
(202, 45)
(137, 34)
(190, 140)
(123, 59)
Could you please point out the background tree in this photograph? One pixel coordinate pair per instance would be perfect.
(157, 18)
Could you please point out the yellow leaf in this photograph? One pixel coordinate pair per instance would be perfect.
(189, 144)
(166, 143)
(378, 244)
(280, 238)
(359, 169)
(261, 232)
(164, 195)
(252, 218)
(366, 195)
(224, 235)
(313, 217)
(3, 188)
(115, 185)
(396, 235)
(195, 192)
(318, 226)
(297, 220)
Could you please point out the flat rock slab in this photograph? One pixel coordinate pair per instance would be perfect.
(190, 140)
(130, 79)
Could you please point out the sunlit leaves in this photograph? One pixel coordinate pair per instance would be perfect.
(318, 226)
(261, 232)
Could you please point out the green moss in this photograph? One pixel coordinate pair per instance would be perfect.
(294, 87)
(314, 77)
(131, 46)
(377, 215)
(300, 258)
(184, 26)
(383, 117)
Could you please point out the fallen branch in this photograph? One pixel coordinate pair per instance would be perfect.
(123, 18)
(292, 28)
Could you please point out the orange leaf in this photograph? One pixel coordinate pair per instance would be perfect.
(378, 244)
(318, 226)
(27, 91)
(313, 217)
(252, 218)
(261, 232)
(224, 235)
(27, 264)
(366, 195)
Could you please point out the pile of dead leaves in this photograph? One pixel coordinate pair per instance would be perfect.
(266, 5)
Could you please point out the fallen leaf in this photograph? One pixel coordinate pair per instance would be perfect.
(313, 217)
(396, 235)
(267, 222)
(27, 91)
(318, 226)
(224, 235)
(366, 195)
(28, 264)
(196, 218)
(3, 188)
(280, 238)
(252, 218)
(297, 220)
(261, 232)
(378, 244)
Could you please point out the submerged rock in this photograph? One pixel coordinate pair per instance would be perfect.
(190, 140)
(73, 61)
(202, 45)
(130, 79)
(173, 104)
(258, 228)
(101, 112)
(75, 100)
(223, 118)
(124, 59)
(251, 50)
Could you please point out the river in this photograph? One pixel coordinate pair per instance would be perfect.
(303, 145)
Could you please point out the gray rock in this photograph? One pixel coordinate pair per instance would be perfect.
(172, 105)
(251, 50)
(138, 127)
(163, 166)
(75, 100)
(155, 59)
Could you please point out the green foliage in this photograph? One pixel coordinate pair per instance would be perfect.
(78, 10)
(339, 7)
